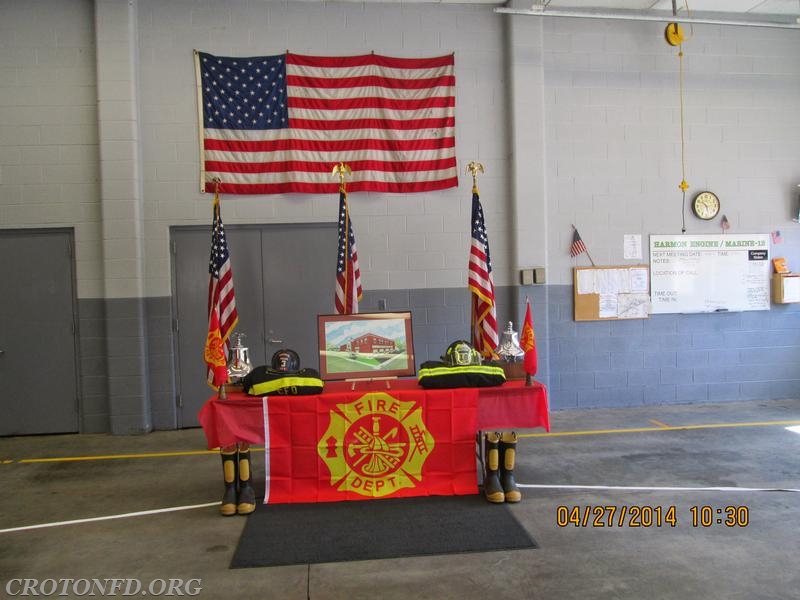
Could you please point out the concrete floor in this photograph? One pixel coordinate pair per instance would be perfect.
(742, 444)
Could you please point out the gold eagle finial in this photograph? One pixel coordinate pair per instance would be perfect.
(473, 167)
(341, 169)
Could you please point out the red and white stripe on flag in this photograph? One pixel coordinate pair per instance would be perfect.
(348, 274)
(481, 284)
(222, 313)
(577, 247)
(277, 124)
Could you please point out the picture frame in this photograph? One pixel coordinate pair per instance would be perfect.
(366, 346)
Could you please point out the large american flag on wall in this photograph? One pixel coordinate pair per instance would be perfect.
(277, 124)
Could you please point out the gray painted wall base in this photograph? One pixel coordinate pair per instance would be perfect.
(680, 358)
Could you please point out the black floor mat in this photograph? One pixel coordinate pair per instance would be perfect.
(286, 534)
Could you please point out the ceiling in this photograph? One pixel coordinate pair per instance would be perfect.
(782, 13)
(770, 7)
(764, 7)
(763, 13)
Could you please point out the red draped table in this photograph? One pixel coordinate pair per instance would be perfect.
(371, 440)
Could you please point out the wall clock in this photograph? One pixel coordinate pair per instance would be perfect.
(705, 205)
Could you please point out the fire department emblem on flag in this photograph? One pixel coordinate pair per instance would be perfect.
(213, 352)
(375, 445)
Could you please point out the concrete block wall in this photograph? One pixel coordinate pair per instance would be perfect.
(49, 161)
(613, 132)
(681, 358)
(405, 241)
(613, 156)
(94, 406)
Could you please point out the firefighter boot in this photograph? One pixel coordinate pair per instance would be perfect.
(228, 506)
(491, 482)
(247, 496)
(508, 454)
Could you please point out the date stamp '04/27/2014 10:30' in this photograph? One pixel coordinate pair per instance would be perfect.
(612, 515)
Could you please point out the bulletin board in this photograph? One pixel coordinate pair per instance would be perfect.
(610, 293)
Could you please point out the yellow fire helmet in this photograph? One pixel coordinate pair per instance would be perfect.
(461, 354)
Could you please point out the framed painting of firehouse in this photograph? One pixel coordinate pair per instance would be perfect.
(365, 346)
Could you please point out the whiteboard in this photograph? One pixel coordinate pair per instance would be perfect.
(709, 273)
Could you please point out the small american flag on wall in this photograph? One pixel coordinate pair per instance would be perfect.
(577, 247)
(276, 124)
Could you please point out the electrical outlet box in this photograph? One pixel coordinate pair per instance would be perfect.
(532, 276)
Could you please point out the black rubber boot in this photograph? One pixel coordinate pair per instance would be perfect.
(491, 482)
(247, 496)
(228, 506)
(508, 455)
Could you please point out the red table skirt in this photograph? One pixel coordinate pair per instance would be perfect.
(513, 405)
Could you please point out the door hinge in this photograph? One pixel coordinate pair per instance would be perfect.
(173, 247)
(69, 249)
(179, 401)
(175, 325)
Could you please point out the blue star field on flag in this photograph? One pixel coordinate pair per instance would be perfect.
(244, 93)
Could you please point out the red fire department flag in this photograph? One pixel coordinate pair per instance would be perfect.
(392, 443)
(528, 342)
(214, 351)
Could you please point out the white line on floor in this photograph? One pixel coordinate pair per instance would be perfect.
(110, 517)
(522, 485)
(654, 489)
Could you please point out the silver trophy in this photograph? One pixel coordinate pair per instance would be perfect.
(509, 349)
(239, 363)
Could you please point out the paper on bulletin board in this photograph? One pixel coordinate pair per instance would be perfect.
(633, 306)
(639, 280)
(608, 306)
(613, 281)
(586, 281)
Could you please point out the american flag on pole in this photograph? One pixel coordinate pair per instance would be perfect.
(275, 124)
(348, 275)
(222, 315)
(577, 247)
(484, 319)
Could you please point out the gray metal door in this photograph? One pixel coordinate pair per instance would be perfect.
(191, 249)
(38, 366)
(299, 275)
(278, 272)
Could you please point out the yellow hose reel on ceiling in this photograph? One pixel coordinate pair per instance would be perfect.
(674, 34)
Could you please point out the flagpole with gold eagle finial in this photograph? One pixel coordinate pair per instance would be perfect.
(348, 275)
(473, 167)
(479, 276)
